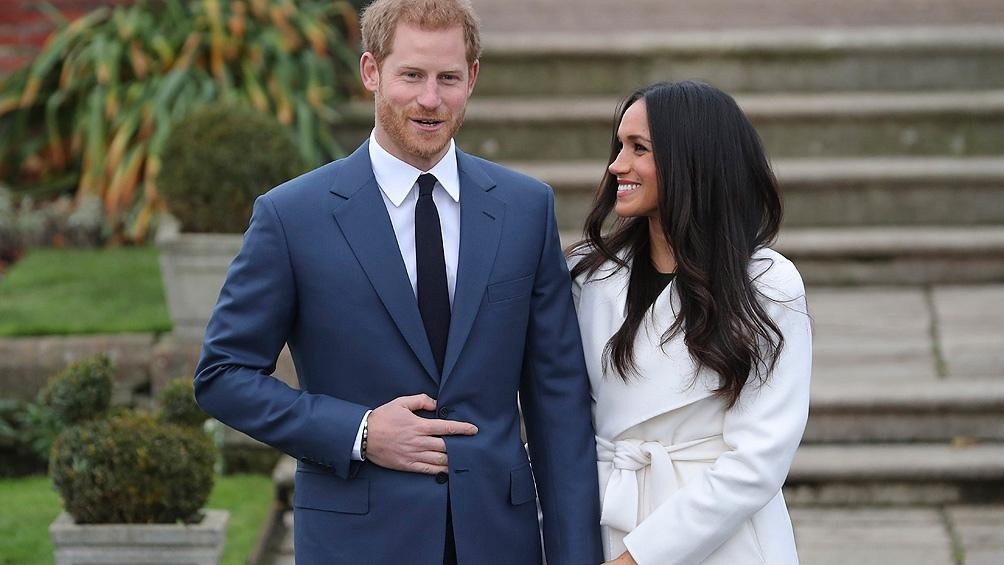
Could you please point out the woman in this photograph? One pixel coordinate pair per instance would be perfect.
(696, 336)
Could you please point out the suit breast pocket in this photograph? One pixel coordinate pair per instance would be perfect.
(510, 291)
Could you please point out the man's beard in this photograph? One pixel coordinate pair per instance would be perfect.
(397, 125)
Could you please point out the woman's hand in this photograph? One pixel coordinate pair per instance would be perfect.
(624, 559)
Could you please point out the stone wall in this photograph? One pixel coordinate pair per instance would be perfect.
(143, 363)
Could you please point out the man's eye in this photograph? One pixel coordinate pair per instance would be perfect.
(411, 75)
(450, 78)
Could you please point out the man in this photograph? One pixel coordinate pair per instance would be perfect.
(419, 289)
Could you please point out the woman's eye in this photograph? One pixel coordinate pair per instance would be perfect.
(640, 148)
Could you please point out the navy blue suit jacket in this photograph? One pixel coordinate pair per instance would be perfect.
(320, 269)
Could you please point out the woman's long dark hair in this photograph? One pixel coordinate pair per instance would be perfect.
(718, 203)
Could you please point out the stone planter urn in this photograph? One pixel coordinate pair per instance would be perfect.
(193, 267)
(189, 544)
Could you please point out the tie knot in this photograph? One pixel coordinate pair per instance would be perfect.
(426, 182)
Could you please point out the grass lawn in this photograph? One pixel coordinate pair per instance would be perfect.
(74, 291)
(30, 505)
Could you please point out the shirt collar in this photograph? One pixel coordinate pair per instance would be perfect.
(396, 178)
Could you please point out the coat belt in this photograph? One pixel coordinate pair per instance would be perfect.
(629, 457)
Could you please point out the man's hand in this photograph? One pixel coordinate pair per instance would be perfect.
(400, 440)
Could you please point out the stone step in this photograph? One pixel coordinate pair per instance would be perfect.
(908, 474)
(828, 125)
(833, 192)
(675, 16)
(915, 410)
(772, 60)
(912, 255)
(896, 255)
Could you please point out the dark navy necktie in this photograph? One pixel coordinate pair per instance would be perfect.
(433, 293)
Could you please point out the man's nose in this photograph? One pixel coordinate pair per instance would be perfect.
(429, 97)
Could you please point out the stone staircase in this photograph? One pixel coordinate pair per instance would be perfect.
(907, 397)
(888, 142)
(889, 146)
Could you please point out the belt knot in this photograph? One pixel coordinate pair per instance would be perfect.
(620, 501)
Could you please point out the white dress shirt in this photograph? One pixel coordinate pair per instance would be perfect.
(398, 183)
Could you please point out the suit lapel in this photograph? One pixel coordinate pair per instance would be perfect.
(362, 217)
(481, 216)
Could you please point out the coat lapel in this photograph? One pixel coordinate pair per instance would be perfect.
(481, 216)
(667, 376)
(362, 217)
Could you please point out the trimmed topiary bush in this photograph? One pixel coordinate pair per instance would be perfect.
(178, 406)
(132, 468)
(217, 160)
(81, 392)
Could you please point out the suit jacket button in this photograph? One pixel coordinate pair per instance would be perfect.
(441, 478)
(444, 412)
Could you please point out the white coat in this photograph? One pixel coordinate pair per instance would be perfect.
(682, 479)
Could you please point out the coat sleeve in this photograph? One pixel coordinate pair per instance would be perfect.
(554, 395)
(245, 335)
(763, 431)
(576, 283)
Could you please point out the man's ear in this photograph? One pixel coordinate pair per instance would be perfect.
(474, 76)
(369, 71)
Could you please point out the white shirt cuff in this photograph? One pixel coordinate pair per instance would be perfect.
(357, 447)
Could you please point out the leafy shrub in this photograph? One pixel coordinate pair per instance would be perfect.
(17, 457)
(178, 406)
(252, 459)
(94, 108)
(38, 427)
(81, 392)
(132, 468)
(217, 160)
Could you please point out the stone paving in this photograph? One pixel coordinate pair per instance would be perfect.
(970, 322)
(872, 536)
(871, 333)
(970, 535)
(946, 332)
(963, 535)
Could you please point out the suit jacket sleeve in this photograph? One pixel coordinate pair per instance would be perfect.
(248, 329)
(554, 394)
(763, 430)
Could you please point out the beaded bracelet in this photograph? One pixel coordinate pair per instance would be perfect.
(362, 443)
